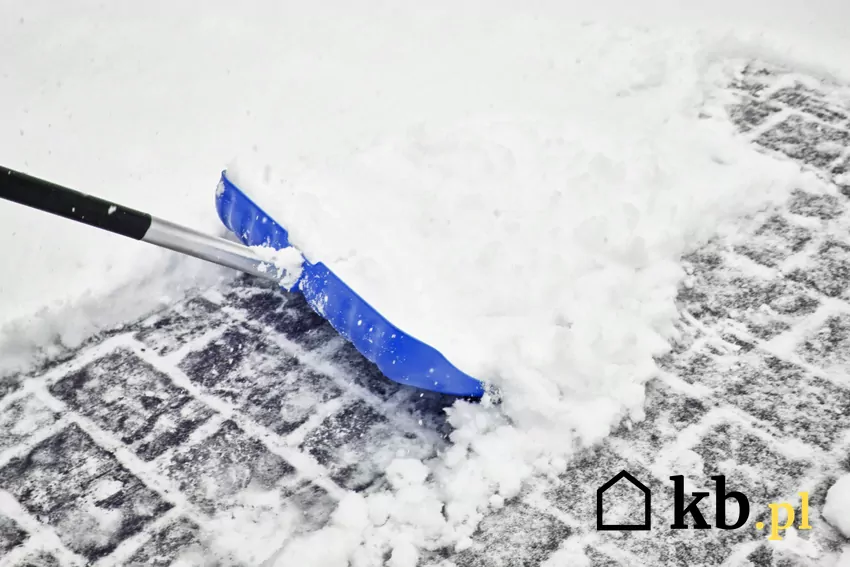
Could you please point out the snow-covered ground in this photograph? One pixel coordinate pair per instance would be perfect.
(600, 133)
(145, 104)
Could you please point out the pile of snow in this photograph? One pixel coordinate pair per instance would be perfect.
(286, 263)
(836, 510)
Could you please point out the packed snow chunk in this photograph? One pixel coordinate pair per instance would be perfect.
(288, 262)
(836, 510)
(379, 507)
(253, 526)
(402, 473)
(415, 502)
(333, 545)
(404, 554)
(352, 512)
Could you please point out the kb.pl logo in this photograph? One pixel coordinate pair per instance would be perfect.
(682, 509)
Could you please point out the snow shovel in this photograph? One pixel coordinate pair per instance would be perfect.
(400, 356)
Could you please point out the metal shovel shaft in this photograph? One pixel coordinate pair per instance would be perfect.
(58, 200)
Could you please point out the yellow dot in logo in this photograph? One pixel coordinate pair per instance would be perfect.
(759, 525)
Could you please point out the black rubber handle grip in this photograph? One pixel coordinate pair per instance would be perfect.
(51, 198)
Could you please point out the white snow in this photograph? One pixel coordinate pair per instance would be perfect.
(532, 171)
(252, 527)
(570, 555)
(286, 262)
(334, 545)
(836, 509)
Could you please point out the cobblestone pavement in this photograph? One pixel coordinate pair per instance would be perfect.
(242, 405)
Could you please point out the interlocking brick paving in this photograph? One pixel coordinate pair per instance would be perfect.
(148, 444)
(271, 386)
(11, 534)
(129, 398)
(70, 483)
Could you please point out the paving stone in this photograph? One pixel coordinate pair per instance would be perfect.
(789, 400)
(313, 503)
(170, 330)
(11, 535)
(601, 559)
(127, 396)
(761, 556)
(774, 241)
(684, 340)
(829, 346)
(358, 443)
(811, 102)
(702, 266)
(689, 548)
(177, 543)
(436, 557)
(811, 142)
(9, 384)
(829, 272)
(766, 307)
(732, 450)
(38, 559)
(92, 501)
(21, 419)
(667, 413)
(256, 297)
(743, 346)
(297, 321)
(272, 387)
(363, 372)
(772, 307)
(515, 536)
(824, 207)
(753, 78)
(216, 473)
(751, 113)
(703, 366)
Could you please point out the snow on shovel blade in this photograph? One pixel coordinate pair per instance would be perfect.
(399, 356)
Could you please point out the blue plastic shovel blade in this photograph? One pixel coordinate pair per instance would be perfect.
(399, 356)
